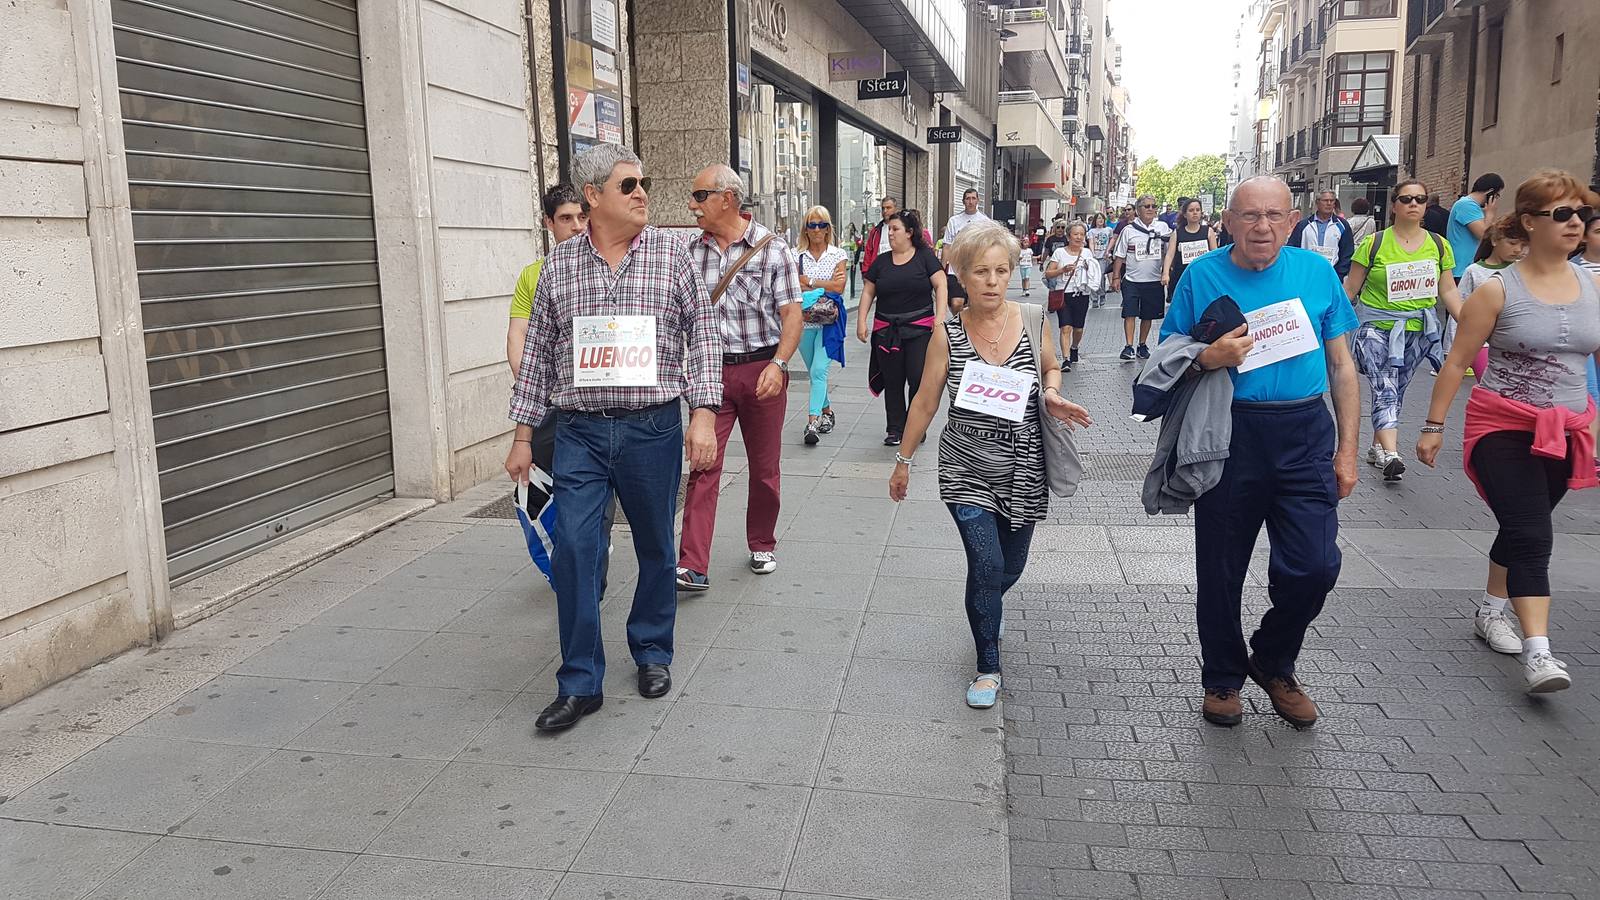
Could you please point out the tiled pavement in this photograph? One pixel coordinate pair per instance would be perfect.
(362, 729)
(1431, 775)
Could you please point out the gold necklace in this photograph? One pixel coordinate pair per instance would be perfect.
(994, 342)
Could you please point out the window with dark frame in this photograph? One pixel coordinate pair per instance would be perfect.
(1433, 105)
(1357, 99)
(1367, 9)
(1493, 40)
(1558, 58)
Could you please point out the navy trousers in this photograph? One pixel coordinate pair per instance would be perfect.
(1279, 473)
(637, 458)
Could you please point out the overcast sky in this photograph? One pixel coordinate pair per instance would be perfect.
(1177, 63)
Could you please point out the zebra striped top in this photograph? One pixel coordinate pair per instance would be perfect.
(986, 461)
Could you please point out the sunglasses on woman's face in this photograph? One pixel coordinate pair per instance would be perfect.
(817, 226)
(1413, 199)
(1564, 213)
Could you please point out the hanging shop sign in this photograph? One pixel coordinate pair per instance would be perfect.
(944, 134)
(893, 84)
(852, 66)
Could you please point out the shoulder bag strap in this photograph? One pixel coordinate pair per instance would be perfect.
(1372, 249)
(727, 277)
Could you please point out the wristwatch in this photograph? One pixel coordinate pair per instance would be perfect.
(782, 364)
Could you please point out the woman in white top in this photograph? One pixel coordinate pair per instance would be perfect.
(822, 267)
(1099, 238)
(1025, 263)
(1361, 221)
(1081, 277)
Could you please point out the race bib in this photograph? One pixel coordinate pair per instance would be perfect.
(1191, 250)
(1281, 331)
(994, 390)
(614, 351)
(1147, 249)
(1413, 280)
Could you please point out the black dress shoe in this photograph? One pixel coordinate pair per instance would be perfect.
(566, 711)
(654, 681)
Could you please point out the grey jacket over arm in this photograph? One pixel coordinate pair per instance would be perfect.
(1196, 412)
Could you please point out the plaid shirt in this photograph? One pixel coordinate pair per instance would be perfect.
(656, 278)
(748, 311)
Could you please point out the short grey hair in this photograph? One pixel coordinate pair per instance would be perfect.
(976, 240)
(724, 178)
(594, 165)
(1143, 198)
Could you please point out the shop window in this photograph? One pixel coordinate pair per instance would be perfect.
(1357, 100)
(781, 168)
(592, 75)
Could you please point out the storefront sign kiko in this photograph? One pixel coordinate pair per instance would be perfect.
(769, 20)
(850, 66)
(893, 84)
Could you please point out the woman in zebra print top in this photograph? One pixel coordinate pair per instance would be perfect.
(991, 452)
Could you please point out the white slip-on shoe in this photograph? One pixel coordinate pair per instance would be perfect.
(1495, 630)
(1546, 674)
(764, 562)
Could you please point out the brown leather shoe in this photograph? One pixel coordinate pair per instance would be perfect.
(1289, 699)
(1222, 707)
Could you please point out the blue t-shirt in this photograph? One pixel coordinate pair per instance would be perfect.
(1462, 243)
(1297, 273)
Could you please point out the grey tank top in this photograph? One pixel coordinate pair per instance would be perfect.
(1538, 350)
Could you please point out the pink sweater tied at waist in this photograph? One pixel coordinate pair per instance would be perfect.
(1489, 411)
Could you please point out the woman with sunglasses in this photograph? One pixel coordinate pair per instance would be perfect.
(1192, 240)
(1527, 437)
(822, 268)
(1397, 278)
(903, 300)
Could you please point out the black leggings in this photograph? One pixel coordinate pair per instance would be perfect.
(902, 376)
(1522, 490)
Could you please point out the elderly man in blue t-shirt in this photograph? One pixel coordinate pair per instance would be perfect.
(1287, 465)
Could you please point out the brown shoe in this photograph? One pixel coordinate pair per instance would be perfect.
(1222, 707)
(1289, 699)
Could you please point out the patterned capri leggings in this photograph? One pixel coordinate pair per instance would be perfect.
(1388, 383)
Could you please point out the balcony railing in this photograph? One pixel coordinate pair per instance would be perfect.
(1424, 18)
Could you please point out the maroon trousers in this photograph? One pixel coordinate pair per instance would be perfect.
(761, 424)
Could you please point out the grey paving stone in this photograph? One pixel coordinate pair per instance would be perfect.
(736, 743)
(746, 831)
(918, 596)
(175, 778)
(317, 801)
(783, 629)
(386, 605)
(613, 737)
(918, 690)
(787, 587)
(511, 612)
(577, 886)
(500, 662)
(331, 654)
(898, 848)
(403, 720)
(61, 862)
(900, 756)
(237, 709)
(917, 638)
(522, 817)
(386, 878)
(184, 869)
(757, 678)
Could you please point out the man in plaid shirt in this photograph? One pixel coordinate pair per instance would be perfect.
(621, 330)
(759, 315)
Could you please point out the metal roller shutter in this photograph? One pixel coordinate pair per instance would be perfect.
(258, 272)
(894, 177)
(972, 156)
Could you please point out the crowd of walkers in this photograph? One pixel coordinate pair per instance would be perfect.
(1265, 316)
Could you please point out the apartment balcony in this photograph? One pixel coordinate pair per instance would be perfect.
(1306, 49)
(1428, 22)
(1024, 121)
(1272, 12)
(1034, 57)
(1268, 82)
(1284, 74)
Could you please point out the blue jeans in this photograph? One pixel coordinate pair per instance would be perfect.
(815, 352)
(640, 458)
(996, 556)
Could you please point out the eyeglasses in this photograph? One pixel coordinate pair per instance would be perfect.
(1564, 213)
(1254, 216)
(818, 226)
(1413, 199)
(628, 185)
(703, 196)
(1147, 206)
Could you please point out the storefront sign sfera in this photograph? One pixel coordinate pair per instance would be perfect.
(894, 84)
(944, 134)
(769, 20)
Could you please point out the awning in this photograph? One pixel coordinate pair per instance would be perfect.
(1379, 153)
(932, 52)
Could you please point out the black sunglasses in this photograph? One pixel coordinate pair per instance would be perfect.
(703, 196)
(817, 226)
(1413, 199)
(1564, 213)
(630, 184)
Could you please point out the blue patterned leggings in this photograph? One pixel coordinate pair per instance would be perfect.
(1388, 383)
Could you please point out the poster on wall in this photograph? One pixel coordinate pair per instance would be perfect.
(581, 121)
(605, 70)
(603, 23)
(608, 119)
(580, 65)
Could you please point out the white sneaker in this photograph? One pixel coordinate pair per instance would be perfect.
(764, 562)
(1375, 456)
(1494, 629)
(1394, 468)
(1546, 674)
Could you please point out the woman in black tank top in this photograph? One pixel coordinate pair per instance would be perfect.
(1191, 231)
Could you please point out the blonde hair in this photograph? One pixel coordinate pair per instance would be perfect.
(975, 241)
(817, 212)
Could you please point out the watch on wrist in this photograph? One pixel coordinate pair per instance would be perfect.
(782, 364)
